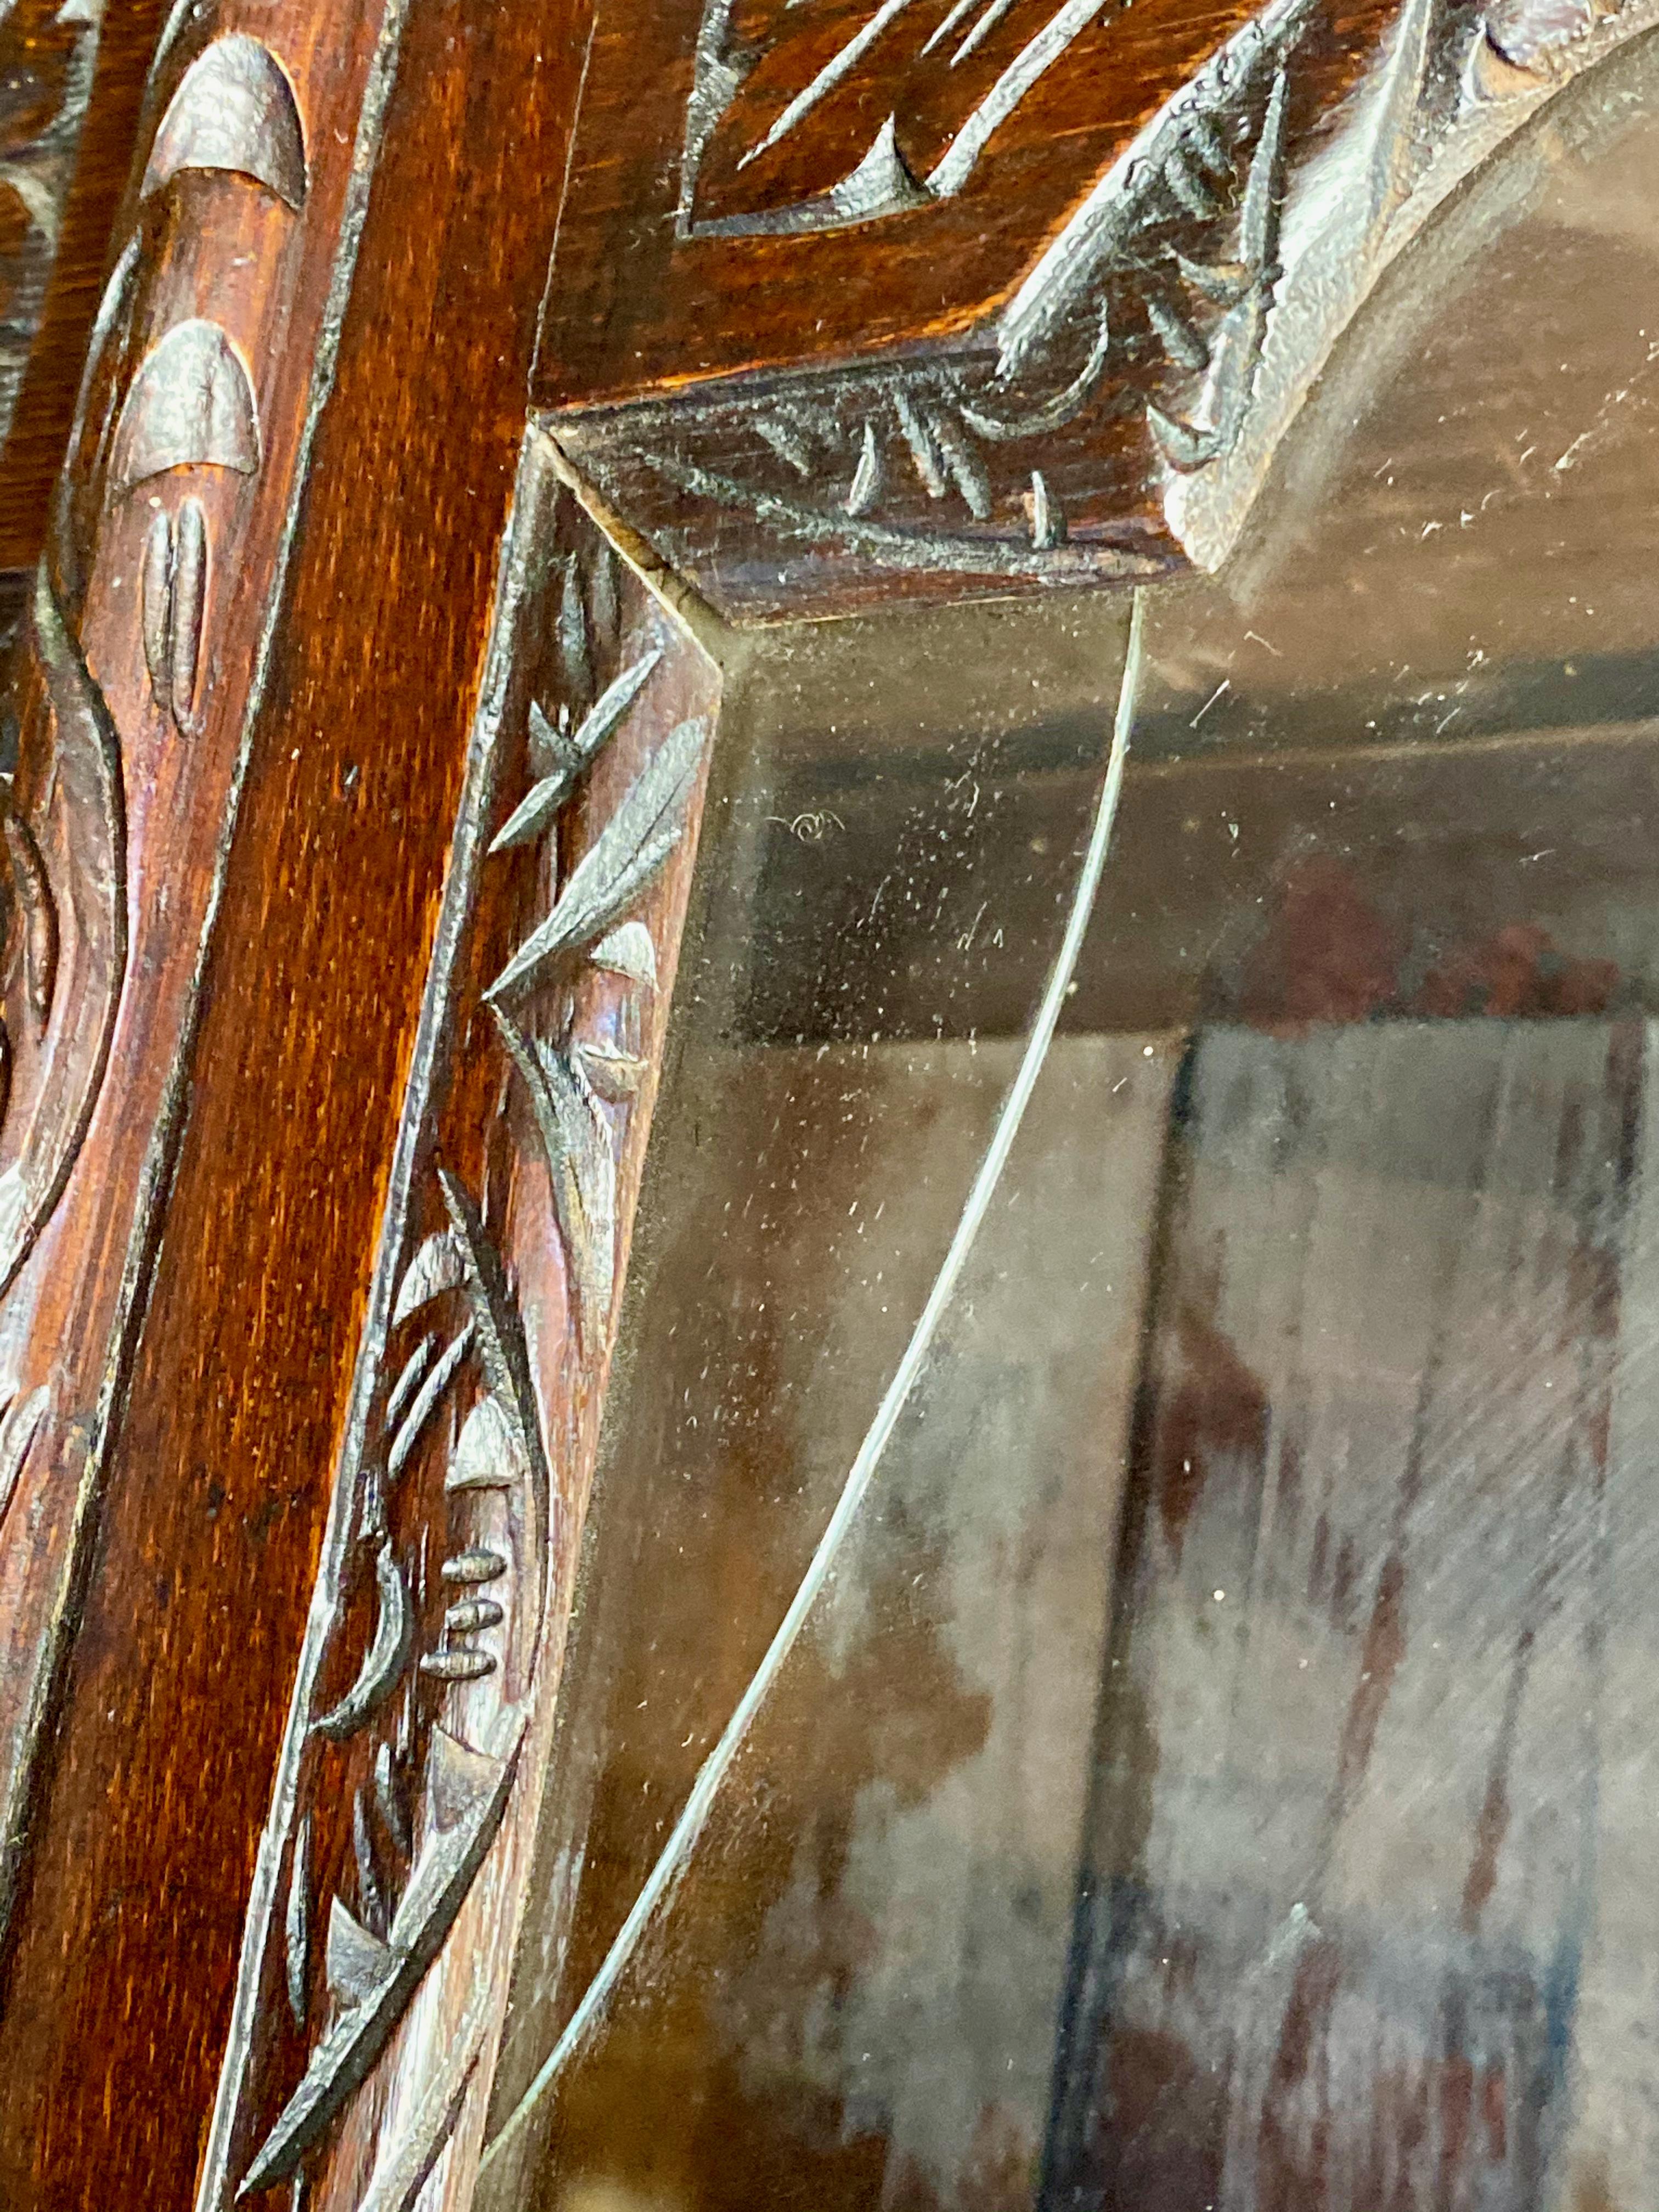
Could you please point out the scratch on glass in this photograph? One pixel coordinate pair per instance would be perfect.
(676, 1851)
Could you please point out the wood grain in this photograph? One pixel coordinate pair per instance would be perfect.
(404, 1808)
(275, 568)
(204, 1348)
(1066, 351)
(49, 305)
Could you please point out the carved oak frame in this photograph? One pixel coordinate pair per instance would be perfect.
(312, 1264)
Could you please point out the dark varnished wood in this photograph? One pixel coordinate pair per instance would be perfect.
(134, 684)
(1046, 323)
(397, 1846)
(74, 79)
(275, 706)
(671, 276)
(203, 1390)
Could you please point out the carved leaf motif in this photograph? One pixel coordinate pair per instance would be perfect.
(531, 816)
(189, 601)
(191, 404)
(52, 1100)
(33, 892)
(356, 1961)
(409, 1432)
(495, 1317)
(806, 82)
(458, 1778)
(173, 594)
(408, 1379)
(456, 1665)
(615, 1075)
(488, 1454)
(296, 1922)
(628, 950)
(550, 744)
(436, 1267)
(576, 1141)
(477, 1785)
(617, 868)
(155, 590)
(867, 476)
(371, 1898)
(388, 1796)
(386, 1657)
(234, 109)
(17, 1432)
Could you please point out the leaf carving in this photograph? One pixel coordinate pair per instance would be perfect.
(572, 755)
(488, 1454)
(394, 1633)
(356, 1960)
(388, 1796)
(504, 1358)
(495, 1316)
(616, 869)
(342, 2060)
(628, 950)
(409, 1377)
(296, 1925)
(615, 1075)
(18, 1430)
(33, 893)
(549, 741)
(576, 1140)
(420, 1412)
(436, 1267)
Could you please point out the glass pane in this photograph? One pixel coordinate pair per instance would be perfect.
(1216, 1769)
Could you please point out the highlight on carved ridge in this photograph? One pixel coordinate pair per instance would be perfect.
(428, 1632)
(234, 109)
(190, 404)
(174, 596)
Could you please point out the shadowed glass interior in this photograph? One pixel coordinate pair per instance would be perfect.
(1217, 1773)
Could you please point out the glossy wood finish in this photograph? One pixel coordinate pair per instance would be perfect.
(189, 450)
(274, 697)
(403, 1813)
(201, 1380)
(74, 78)
(1046, 323)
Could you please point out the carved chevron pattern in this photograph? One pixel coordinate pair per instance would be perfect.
(967, 461)
(1120, 410)
(415, 1687)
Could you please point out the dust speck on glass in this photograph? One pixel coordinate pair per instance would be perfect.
(1116, 1661)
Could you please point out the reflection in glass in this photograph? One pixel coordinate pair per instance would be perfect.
(1220, 1770)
